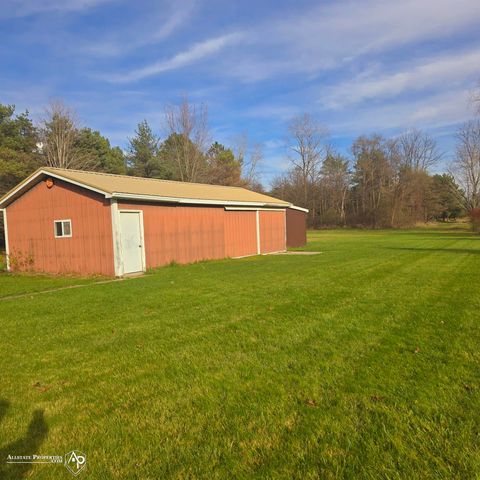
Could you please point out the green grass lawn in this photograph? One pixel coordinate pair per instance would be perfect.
(13, 285)
(360, 362)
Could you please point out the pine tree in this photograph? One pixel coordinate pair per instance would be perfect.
(143, 153)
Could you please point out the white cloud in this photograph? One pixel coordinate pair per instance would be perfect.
(430, 111)
(195, 53)
(274, 144)
(353, 27)
(154, 29)
(22, 8)
(447, 71)
(332, 35)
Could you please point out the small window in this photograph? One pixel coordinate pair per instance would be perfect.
(63, 228)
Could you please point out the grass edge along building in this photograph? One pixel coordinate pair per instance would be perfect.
(71, 221)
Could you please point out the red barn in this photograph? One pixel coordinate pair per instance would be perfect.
(296, 226)
(70, 221)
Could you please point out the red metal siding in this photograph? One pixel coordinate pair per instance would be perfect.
(240, 233)
(272, 231)
(172, 233)
(187, 234)
(31, 231)
(296, 228)
(180, 234)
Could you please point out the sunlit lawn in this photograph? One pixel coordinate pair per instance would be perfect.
(360, 362)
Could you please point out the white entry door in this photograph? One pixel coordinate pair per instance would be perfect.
(131, 228)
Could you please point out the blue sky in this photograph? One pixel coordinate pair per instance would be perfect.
(358, 66)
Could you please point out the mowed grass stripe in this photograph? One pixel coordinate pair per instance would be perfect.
(403, 342)
(271, 367)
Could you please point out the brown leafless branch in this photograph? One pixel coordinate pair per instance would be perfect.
(466, 166)
(187, 125)
(58, 133)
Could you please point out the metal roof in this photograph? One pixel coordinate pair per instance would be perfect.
(138, 188)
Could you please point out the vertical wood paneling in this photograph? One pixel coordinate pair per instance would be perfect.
(272, 231)
(240, 233)
(172, 233)
(296, 228)
(182, 234)
(31, 232)
(187, 234)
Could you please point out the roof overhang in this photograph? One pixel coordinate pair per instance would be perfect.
(294, 207)
(33, 179)
(254, 209)
(193, 201)
(38, 175)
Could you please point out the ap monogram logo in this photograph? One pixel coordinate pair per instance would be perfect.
(75, 461)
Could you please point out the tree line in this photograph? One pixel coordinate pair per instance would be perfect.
(385, 182)
(186, 152)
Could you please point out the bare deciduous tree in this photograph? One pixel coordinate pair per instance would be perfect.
(386, 184)
(307, 147)
(466, 166)
(417, 150)
(476, 99)
(289, 187)
(58, 133)
(334, 184)
(249, 157)
(187, 126)
(410, 155)
(372, 177)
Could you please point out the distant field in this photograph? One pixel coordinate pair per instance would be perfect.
(361, 362)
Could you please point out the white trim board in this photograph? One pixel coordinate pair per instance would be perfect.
(62, 221)
(257, 218)
(255, 209)
(294, 207)
(117, 244)
(7, 249)
(139, 197)
(78, 184)
(24, 186)
(192, 201)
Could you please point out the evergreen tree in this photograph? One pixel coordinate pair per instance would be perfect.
(19, 154)
(222, 166)
(448, 197)
(18, 151)
(89, 143)
(143, 153)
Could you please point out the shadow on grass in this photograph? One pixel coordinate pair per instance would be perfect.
(29, 444)
(441, 250)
